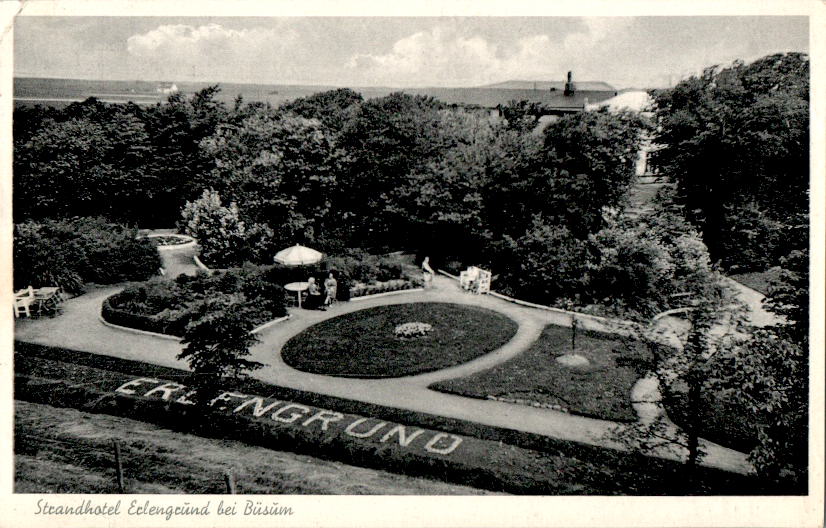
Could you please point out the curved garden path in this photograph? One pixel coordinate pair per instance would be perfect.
(79, 327)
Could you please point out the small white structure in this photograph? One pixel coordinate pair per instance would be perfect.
(475, 280)
(167, 90)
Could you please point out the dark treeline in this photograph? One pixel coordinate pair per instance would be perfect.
(332, 170)
(401, 172)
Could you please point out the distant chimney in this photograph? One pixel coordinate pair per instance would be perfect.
(569, 86)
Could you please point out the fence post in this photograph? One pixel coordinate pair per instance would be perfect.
(574, 325)
(230, 481)
(118, 466)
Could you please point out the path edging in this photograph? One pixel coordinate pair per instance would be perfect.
(168, 337)
(138, 331)
(269, 324)
(200, 264)
(594, 318)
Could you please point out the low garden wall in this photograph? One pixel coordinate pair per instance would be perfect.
(584, 321)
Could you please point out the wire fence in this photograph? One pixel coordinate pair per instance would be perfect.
(112, 448)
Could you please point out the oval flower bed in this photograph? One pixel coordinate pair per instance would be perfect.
(365, 344)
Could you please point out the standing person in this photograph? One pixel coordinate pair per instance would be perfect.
(427, 273)
(331, 287)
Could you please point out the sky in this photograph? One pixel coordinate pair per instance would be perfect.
(396, 51)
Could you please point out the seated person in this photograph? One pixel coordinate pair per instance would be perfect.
(314, 298)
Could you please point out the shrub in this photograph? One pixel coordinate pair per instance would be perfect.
(167, 306)
(68, 253)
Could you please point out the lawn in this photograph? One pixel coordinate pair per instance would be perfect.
(363, 343)
(59, 450)
(600, 389)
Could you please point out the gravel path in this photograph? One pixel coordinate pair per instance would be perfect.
(80, 328)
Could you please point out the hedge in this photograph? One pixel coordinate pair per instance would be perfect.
(163, 306)
(150, 323)
(362, 290)
(595, 470)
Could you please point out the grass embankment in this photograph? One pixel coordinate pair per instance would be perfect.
(69, 451)
(600, 389)
(490, 457)
(363, 343)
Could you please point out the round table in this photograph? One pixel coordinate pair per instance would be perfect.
(297, 287)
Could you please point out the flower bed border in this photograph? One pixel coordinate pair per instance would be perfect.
(107, 309)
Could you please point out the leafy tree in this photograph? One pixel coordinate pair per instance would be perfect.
(176, 128)
(94, 163)
(789, 297)
(282, 172)
(688, 377)
(216, 343)
(388, 138)
(547, 264)
(592, 156)
(68, 253)
(219, 230)
(739, 134)
(329, 107)
(768, 378)
(646, 265)
(522, 115)
(444, 199)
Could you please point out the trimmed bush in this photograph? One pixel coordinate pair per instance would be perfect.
(166, 306)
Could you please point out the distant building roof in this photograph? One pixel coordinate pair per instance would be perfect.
(492, 97)
(594, 86)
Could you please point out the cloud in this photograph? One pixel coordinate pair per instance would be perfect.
(443, 56)
(180, 49)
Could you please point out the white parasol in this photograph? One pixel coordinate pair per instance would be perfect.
(297, 255)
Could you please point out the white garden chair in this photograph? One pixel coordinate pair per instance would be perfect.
(468, 278)
(23, 300)
(483, 283)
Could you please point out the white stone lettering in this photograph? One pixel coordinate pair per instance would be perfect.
(259, 410)
(167, 389)
(185, 398)
(293, 416)
(226, 396)
(431, 445)
(400, 430)
(325, 417)
(350, 430)
(134, 383)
